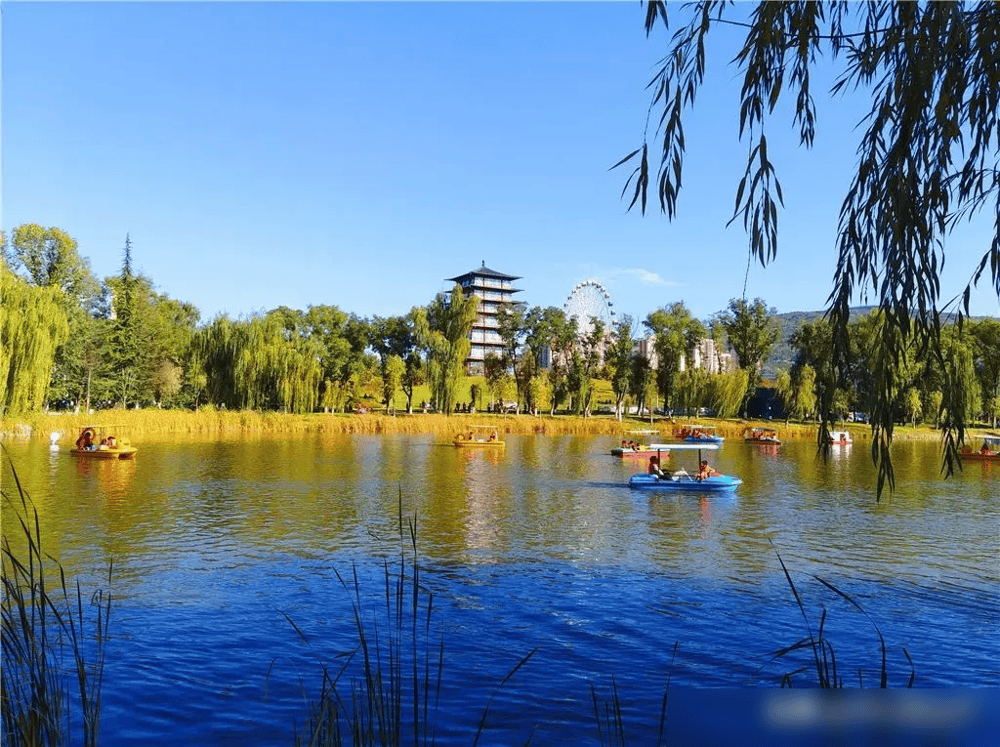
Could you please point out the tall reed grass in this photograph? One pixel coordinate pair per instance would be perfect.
(230, 423)
(391, 696)
(42, 625)
(821, 649)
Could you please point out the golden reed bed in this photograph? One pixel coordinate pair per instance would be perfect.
(138, 423)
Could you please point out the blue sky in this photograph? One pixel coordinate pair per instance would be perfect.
(357, 154)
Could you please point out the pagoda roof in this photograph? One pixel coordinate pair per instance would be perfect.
(484, 271)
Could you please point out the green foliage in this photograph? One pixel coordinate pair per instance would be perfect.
(392, 376)
(618, 359)
(32, 326)
(926, 159)
(677, 334)
(726, 392)
(44, 629)
(752, 332)
(50, 259)
(805, 393)
(443, 331)
(397, 337)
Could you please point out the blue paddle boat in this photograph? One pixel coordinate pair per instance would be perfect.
(703, 480)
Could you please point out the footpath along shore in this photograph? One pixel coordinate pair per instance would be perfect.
(227, 424)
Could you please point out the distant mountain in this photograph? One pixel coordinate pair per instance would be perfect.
(781, 355)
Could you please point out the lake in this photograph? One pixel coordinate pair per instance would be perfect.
(229, 556)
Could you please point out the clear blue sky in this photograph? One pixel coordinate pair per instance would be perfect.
(357, 154)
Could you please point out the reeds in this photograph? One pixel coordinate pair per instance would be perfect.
(394, 693)
(40, 624)
(824, 657)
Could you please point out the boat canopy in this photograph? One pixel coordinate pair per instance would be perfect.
(688, 447)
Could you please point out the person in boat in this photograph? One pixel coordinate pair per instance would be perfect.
(112, 442)
(654, 467)
(104, 445)
(86, 440)
(705, 470)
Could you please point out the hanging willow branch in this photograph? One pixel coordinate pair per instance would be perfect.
(927, 160)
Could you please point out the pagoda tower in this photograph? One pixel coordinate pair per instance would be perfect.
(494, 290)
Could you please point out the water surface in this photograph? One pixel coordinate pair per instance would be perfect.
(218, 546)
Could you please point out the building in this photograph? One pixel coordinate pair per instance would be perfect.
(705, 355)
(494, 290)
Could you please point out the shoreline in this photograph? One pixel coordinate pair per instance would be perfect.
(137, 423)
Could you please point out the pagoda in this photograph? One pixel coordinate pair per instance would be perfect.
(494, 290)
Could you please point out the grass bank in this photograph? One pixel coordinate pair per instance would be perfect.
(136, 424)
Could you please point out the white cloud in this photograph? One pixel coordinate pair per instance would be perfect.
(641, 274)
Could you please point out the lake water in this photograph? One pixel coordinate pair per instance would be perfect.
(228, 602)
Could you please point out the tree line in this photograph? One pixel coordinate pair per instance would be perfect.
(70, 340)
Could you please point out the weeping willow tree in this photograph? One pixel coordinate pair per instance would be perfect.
(926, 160)
(213, 349)
(258, 364)
(443, 329)
(32, 326)
(277, 368)
(726, 391)
(692, 388)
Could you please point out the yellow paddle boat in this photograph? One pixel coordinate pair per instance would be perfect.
(95, 443)
(479, 435)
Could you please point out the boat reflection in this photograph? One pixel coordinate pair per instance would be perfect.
(112, 477)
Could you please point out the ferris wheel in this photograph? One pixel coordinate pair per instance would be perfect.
(588, 301)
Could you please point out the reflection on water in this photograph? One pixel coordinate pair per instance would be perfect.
(538, 546)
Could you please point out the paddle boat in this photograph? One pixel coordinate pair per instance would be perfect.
(92, 443)
(632, 448)
(838, 438)
(767, 436)
(988, 452)
(479, 436)
(698, 434)
(704, 480)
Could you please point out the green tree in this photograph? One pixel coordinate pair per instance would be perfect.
(499, 381)
(618, 359)
(805, 393)
(171, 325)
(50, 258)
(985, 335)
(392, 377)
(727, 390)
(443, 330)
(786, 392)
(677, 335)
(32, 326)
(926, 159)
(934, 404)
(129, 335)
(341, 348)
(397, 336)
(914, 406)
(752, 332)
(539, 391)
(645, 385)
(550, 335)
(595, 343)
(512, 328)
